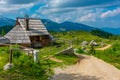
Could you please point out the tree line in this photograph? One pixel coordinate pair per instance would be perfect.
(104, 34)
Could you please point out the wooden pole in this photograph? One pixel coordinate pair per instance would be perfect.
(10, 56)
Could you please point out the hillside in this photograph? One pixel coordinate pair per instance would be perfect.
(71, 35)
(65, 26)
(7, 24)
(112, 30)
(6, 29)
(25, 68)
(51, 25)
(4, 21)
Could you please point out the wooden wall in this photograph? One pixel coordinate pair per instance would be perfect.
(43, 40)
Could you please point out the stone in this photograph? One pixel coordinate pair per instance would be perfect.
(84, 43)
(93, 43)
(69, 51)
(8, 66)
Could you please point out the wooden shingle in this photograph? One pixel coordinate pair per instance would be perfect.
(19, 34)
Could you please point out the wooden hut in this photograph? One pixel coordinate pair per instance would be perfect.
(29, 32)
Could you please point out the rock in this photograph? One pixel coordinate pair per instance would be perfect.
(93, 43)
(69, 51)
(8, 66)
(84, 43)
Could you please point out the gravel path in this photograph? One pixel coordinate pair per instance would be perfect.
(104, 48)
(89, 68)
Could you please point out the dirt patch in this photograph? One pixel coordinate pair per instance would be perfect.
(90, 68)
(55, 59)
(104, 48)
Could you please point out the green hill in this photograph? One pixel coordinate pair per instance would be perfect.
(25, 68)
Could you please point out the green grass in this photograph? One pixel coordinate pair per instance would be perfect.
(77, 37)
(111, 55)
(67, 59)
(25, 68)
(3, 56)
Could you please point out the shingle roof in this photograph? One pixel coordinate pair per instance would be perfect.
(36, 27)
(19, 34)
(4, 40)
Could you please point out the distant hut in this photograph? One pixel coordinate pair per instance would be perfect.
(29, 32)
(84, 43)
(93, 43)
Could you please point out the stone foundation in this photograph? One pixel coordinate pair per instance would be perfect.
(68, 51)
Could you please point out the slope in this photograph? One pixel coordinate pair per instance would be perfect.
(4, 21)
(65, 26)
(88, 68)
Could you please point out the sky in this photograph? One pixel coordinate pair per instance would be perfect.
(95, 13)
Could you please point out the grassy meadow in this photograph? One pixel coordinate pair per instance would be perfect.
(25, 69)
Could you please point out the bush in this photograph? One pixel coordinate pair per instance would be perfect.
(79, 51)
(17, 53)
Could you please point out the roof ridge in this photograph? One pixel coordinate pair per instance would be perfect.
(24, 29)
(28, 18)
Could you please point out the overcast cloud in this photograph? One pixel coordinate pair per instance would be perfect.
(91, 12)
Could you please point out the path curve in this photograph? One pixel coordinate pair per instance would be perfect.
(89, 68)
(104, 48)
(55, 59)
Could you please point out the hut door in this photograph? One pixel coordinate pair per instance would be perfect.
(35, 41)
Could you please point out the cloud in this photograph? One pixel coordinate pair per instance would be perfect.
(68, 6)
(2, 2)
(88, 17)
(35, 15)
(9, 8)
(16, 5)
(45, 10)
(84, 11)
(21, 1)
(110, 13)
(81, 3)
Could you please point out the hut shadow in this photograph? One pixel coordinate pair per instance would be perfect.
(63, 76)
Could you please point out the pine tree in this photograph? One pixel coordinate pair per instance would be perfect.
(3, 32)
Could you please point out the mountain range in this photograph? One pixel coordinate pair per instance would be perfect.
(4, 21)
(112, 30)
(65, 26)
(53, 26)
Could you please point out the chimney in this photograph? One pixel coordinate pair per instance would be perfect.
(27, 22)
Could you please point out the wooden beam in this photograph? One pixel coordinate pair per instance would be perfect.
(10, 56)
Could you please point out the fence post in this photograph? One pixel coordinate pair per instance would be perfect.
(9, 65)
(10, 56)
(35, 55)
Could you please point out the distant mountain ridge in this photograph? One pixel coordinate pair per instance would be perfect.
(4, 21)
(65, 26)
(53, 26)
(50, 25)
(112, 30)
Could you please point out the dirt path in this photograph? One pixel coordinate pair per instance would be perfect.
(104, 48)
(89, 68)
(55, 59)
